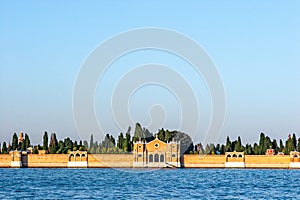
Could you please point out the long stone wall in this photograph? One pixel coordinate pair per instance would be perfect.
(126, 161)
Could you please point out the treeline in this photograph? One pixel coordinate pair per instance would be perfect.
(124, 143)
(260, 148)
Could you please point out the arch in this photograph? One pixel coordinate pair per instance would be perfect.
(162, 158)
(234, 156)
(83, 157)
(295, 156)
(173, 155)
(150, 158)
(240, 156)
(71, 157)
(77, 157)
(228, 156)
(156, 158)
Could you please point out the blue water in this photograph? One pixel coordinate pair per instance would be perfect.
(145, 184)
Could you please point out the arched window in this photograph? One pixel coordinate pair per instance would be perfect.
(150, 158)
(234, 156)
(77, 157)
(228, 156)
(156, 158)
(240, 156)
(83, 157)
(295, 156)
(71, 158)
(162, 158)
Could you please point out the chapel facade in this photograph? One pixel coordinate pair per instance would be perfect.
(156, 154)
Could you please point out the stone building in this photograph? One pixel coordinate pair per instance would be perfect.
(156, 153)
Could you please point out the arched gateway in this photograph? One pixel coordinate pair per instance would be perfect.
(78, 159)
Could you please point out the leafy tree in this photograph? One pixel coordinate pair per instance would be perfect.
(294, 140)
(120, 143)
(15, 142)
(281, 146)
(85, 144)
(298, 145)
(27, 141)
(248, 149)
(186, 143)
(256, 149)
(275, 146)
(289, 146)
(127, 143)
(53, 146)
(138, 133)
(92, 142)
(238, 145)
(228, 145)
(262, 148)
(68, 143)
(35, 150)
(4, 148)
(45, 141)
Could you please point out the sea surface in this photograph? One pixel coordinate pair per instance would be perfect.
(149, 184)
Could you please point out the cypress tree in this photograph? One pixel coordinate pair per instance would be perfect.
(228, 145)
(92, 142)
(53, 145)
(120, 143)
(45, 141)
(14, 142)
(4, 148)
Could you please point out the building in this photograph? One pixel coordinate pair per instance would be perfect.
(270, 152)
(156, 153)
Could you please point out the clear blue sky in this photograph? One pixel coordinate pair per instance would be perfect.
(254, 44)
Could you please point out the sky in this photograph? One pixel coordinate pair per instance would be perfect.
(254, 45)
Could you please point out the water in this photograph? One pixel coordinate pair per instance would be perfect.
(144, 184)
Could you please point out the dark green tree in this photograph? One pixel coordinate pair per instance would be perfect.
(294, 139)
(289, 146)
(91, 142)
(15, 142)
(45, 141)
(53, 145)
(262, 148)
(26, 142)
(120, 143)
(298, 145)
(281, 146)
(275, 146)
(4, 148)
(238, 145)
(68, 143)
(0, 148)
(138, 133)
(186, 143)
(228, 145)
(127, 143)
(248, 149)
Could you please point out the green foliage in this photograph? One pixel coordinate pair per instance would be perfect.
(91, 142)
(53, 145)
(27, 141)
(15, 142)
(228, 145)
(127, 143)
(85, 144)
(4, 148)
(45, 141)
